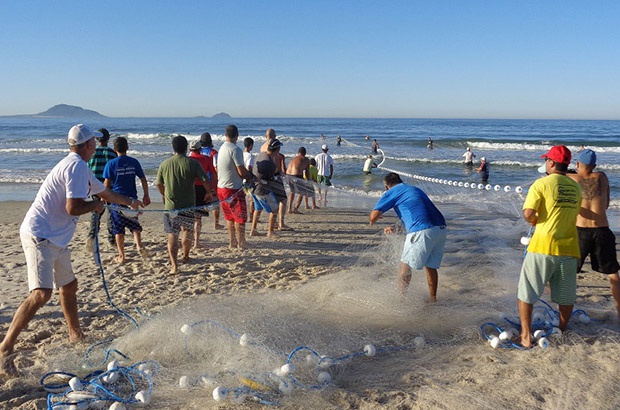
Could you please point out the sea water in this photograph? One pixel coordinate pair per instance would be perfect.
(30, 146)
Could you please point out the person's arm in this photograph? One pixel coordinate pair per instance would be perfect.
(530, 216)
(146, 199)
(374, 216)
(331, 170)
(162, 190)
(107, 183)
(244, 173)
(80, 206)
(120, 199)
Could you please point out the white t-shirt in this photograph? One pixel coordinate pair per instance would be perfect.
(323, 161)
(468, 156)
(229, 157)
(47, 217)
(248, 160)
(368, 165)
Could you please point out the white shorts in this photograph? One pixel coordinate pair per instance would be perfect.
(49, 266)
(425, 248)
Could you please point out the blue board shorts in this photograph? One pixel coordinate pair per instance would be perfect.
(267, 203)
(425, 248)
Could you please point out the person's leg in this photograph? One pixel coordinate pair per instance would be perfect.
(186, 243)
(565, 312)
(255, 217)
(404, 277)
(291, 197)
(614, 283)
(232, 236)
(173, 250)
(240, 228)
(137, 237)
(24, 314)
(216, 219)
(110, 227)
(197, 229)
(68, 303)
(432, 278)
(272, 224)
(525, 315)
(120, 245)
(281, 211)
(298, 203)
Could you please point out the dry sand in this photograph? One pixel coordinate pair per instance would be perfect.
(456, 370)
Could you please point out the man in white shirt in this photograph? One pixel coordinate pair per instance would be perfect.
(325, 167)
(67, 192)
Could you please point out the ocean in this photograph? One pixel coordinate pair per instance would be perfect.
(30, 147)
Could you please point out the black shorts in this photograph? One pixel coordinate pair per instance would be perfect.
(200, 200)
(600, 244)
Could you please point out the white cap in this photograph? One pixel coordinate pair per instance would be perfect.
(483, 159)
(79, 134)
(324, 147)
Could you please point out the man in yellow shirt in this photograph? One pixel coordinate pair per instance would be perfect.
(552, 205)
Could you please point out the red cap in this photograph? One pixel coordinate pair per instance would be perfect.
(559, 154)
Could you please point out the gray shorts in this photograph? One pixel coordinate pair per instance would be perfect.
(424, 248)
(49, 265)
(539, 269)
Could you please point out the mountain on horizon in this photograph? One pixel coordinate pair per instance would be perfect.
(69, 111)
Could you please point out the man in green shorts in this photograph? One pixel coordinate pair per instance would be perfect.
(552, 205)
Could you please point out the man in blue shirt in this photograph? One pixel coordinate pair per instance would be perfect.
(425, 226)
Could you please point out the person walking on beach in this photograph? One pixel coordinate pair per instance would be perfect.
(248, 162)
(483, 170)
(325, 168)
(231, 173)
(207, 149)
(595, 237)
(280, 162)
(552, 205)
(68, 191)
(425, 227)
(206, 162)
(175, 182)
(469, 158)
(120, 176)
(313, 175)
(298, 171)
(97, 164)
(264, 193)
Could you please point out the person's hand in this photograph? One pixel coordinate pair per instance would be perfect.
(146, 200)
(135, 204)
(389, 230)
(208, 197)
(99, 205)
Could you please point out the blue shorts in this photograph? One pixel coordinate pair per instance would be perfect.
(425, 248)
(267, 203)
(120, 221)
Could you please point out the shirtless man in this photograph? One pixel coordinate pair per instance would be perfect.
(298, 171)
(595, 237)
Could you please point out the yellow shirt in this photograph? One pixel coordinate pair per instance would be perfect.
(557, 200)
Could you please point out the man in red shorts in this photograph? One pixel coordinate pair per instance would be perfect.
(231, 172)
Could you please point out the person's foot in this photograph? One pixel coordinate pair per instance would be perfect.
(295, 211)
(173, 272)
(186, 259)
(144, 253)
(315, 207)
(119, 259)
(285, 228)
(272, 234)
(219, 227)
(256, 233)
(7, 364)
(76, 336)
(233, 245)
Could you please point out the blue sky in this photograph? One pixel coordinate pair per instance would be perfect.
(413, 59)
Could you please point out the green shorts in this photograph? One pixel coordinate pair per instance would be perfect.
(559, 271)
(324, 180)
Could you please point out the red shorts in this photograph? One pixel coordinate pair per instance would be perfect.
(232, 202)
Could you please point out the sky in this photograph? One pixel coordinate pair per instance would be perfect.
(297, 58)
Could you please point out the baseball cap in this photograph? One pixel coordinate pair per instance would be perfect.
(586, 157)
(324, 147)
(274, 144)
(559, 154)
(105, 134)
(483, 159)
(79, 134)
(195, 145)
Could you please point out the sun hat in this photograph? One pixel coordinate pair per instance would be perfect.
(195, 145)
(274, 144)
(324, 147)
(559, 154)
(586, 157)
(79, 134)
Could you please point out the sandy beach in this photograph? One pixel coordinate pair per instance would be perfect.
(330, 284)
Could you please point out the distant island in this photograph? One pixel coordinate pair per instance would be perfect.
(221, 115)
(64, 111)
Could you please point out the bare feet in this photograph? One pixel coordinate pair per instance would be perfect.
(295, 211)
(186, 259)
(272, 234)
(219, 227)
(119, 259)
(76, 336)
(285, 228)
(144, 253)
(256, 233)
(7, 364)
(173, 272)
